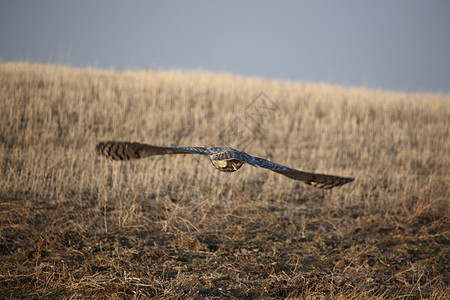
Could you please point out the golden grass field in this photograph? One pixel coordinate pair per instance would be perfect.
(75, 225)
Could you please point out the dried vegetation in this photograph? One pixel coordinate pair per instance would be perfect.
(73, 225)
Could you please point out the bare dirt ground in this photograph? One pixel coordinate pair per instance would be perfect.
(74, 225)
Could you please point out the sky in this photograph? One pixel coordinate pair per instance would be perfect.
(401, 45)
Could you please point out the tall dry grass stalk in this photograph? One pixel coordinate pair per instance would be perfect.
(396, 145)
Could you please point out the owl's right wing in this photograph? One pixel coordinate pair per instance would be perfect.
(126, 150)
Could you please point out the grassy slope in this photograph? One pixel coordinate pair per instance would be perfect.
(75, 225)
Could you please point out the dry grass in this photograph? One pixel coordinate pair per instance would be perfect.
(73, 225)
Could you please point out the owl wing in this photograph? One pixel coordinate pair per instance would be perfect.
(318, 180)
(126, 150)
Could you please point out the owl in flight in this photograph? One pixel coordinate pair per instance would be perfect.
(224, 159)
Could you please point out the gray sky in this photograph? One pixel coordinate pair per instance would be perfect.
(401, 45)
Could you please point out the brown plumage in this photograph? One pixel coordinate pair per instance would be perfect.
(224, 159)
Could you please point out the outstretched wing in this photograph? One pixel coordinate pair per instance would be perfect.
(127, 150)
(318, 180)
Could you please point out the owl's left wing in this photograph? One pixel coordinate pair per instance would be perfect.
(315, 179)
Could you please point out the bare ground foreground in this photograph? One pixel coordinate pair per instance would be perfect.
(74, 225)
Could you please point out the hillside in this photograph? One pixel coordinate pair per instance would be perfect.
(74, 225)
